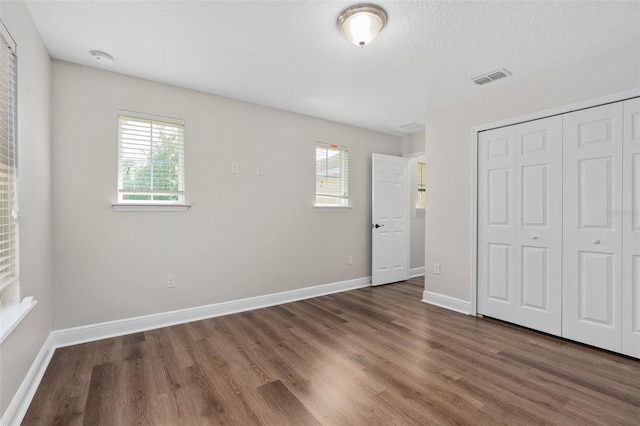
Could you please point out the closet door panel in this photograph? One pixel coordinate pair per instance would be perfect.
(631, 234)
(592, 248)
(496, 224)
(538, 263)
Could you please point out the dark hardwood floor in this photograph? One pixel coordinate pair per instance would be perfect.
(375, 356)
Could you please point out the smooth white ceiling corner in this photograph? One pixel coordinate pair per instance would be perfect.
(290, 55)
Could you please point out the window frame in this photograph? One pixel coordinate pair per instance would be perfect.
(344, 179)
(12, 310)
(177, 204)
(9, 287)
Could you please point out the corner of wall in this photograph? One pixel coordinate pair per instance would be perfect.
(23, 348)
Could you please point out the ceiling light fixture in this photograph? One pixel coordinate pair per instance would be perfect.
(361, 23)
(101, 57)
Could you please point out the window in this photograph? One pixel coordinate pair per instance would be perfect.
(9, 290)
(332, 175)
(422, 185)
(150, 159)
(12, 310)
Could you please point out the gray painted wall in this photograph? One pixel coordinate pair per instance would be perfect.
(246, 235)
(19, 349)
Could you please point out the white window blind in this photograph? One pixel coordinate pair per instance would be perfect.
(332, 175)
(8, 163)
(422, 185)
(150, 159)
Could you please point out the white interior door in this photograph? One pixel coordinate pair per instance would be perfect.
(538, 206)
(591, 311)
(496, 224)
(631, 233)
(390, 219)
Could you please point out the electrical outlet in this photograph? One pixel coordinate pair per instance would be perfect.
(260, 171)
(436, 268)
(171, 280)
(349, 260)
(235, 168)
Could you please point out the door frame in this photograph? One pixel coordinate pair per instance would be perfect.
(589, 103)
(413, 211)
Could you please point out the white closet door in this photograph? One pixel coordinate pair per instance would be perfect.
(631, 234)
(538, 250)
(592, 168)
(496, 223)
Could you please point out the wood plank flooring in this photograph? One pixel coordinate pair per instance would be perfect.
(374, 356)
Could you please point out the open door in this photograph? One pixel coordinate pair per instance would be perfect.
(390, 219)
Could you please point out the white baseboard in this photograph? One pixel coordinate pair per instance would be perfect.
(89, 333)
(19, 405)
(71, 336)
(458, 305)
(416, 272)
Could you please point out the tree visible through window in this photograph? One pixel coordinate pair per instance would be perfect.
(151, 159)
(332, 175)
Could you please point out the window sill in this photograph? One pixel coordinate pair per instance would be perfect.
(139, 207)
(420, 209)
(12, 313)
(321, 208)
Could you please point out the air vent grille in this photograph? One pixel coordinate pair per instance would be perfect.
(412, 127)
(491, 76)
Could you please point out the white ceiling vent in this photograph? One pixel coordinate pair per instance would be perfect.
(491, 76)
(412, 127)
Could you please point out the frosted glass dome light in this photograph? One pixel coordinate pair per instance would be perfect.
(361, 23)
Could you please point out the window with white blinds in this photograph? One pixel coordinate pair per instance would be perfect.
(8, 166)
(150, 159)
(332, 175)
(422, 185)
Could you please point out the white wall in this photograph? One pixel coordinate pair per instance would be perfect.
(413, 143)
(448, 154)
(19, 349)
(246, 235)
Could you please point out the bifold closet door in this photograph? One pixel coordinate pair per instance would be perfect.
(631, 234)
(496, 224)
(592, 269)
(520, 224)
(538, 250)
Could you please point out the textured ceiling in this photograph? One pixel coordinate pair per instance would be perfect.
(289, 54)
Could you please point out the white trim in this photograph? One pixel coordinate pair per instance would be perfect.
(125, 207)
(447, 302)
(589, 103)
(474, 222)
(563, 109)
(19, 405)
(416, 272)
(324, 208)
(92, 332)
(151, 117)
(12, 313)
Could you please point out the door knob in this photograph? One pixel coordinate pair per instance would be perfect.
(595, 241)
(377, 226)
(534, 237)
